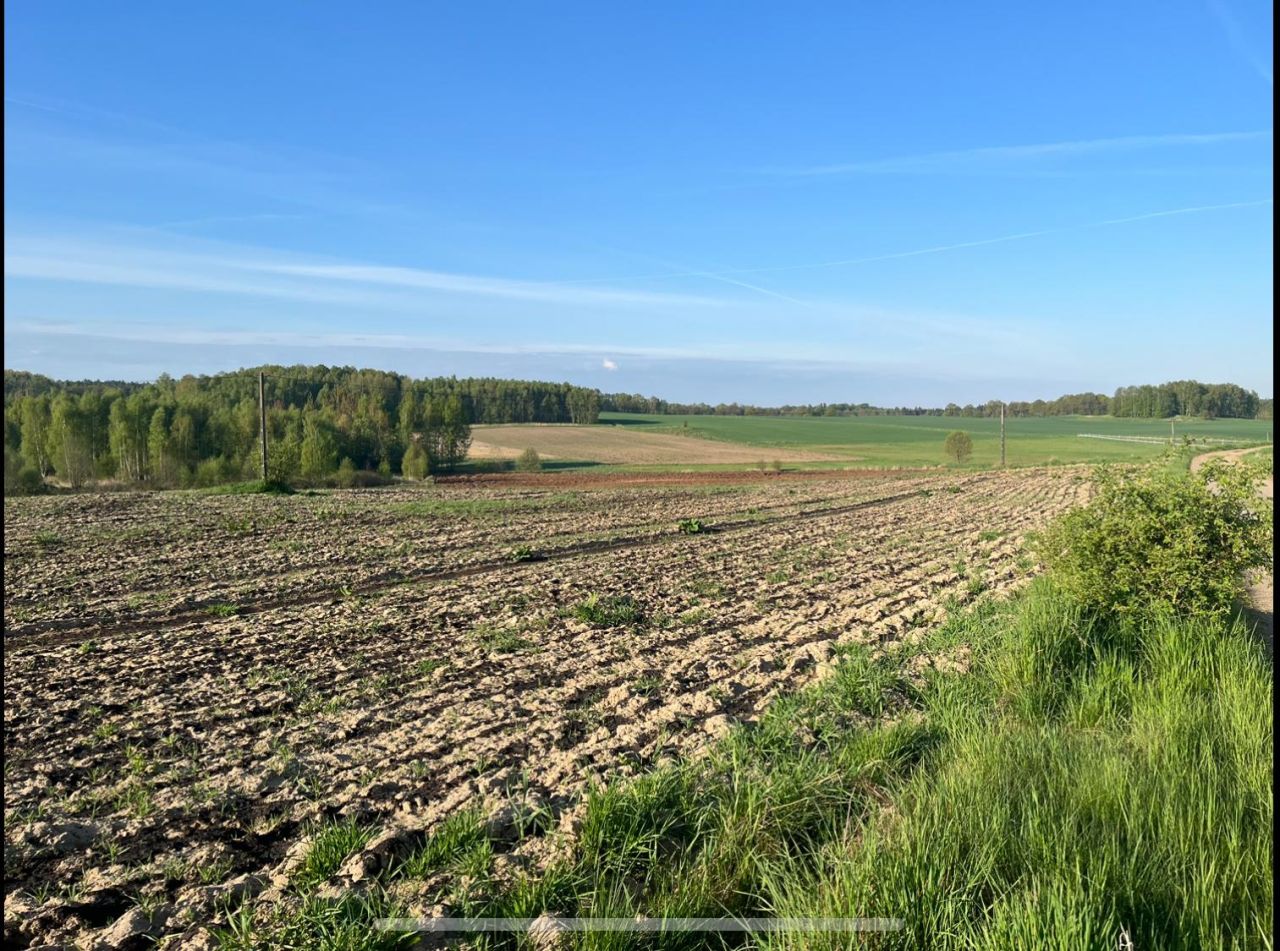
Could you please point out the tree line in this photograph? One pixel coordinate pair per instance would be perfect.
(1179, 398)
(324, 424)
(331, 424)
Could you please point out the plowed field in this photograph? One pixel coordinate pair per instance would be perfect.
(192, 681)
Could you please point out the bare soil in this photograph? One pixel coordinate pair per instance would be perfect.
(172, 757)
(624, 445)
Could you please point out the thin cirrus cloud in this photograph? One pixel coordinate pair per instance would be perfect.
(417, 278)
(1007, 156)
(260, 273)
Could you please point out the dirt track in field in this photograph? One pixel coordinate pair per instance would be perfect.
(625, 445)
(171, 763)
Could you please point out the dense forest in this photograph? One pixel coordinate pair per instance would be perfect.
(324, 424)
(328, 425)
(1181, 398)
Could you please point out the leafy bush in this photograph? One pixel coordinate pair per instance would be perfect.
(529, 461)
(522, 553)
(29, 481)
(691, 526)
(958, 445)
(1160, 540)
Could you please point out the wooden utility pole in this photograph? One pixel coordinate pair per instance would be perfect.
(262, 420)
(1002, 435)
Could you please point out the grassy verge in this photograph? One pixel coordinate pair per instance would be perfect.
(1035, 773)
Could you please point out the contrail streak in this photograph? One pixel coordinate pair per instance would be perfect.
(936, 249)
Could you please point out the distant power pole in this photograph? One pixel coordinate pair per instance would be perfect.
(1002, 435)
(262, 420)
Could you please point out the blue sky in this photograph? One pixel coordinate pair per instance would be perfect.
(897, 203)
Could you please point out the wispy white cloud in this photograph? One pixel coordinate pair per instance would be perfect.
(264, 273)
(795, 356)
(417, 278)
(1006, 156)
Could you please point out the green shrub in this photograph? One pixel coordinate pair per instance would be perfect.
(958, 445)
(1162, 540)
(529, 461)
(691, 526)
(29, 481)
(522, 553)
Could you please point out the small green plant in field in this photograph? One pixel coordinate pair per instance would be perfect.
(222, 610)
(331, 845)
(213, 873)
(522, 553)
(88, 647)
(137, 799)
(502, 640)
(609, 611)
(777, 576)
(961, 568)
(47, 539)
(691, 526)
(989, 536)
(647, 685)
(428, 666)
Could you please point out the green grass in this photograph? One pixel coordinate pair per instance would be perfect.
(917, 440)
(332, 845)
(1084, 780)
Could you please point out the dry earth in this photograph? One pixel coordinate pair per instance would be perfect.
(624, 445)
(162, 756)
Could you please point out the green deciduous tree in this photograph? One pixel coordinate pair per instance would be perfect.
(958, 445)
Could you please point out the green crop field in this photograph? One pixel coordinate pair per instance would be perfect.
(917, 440)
